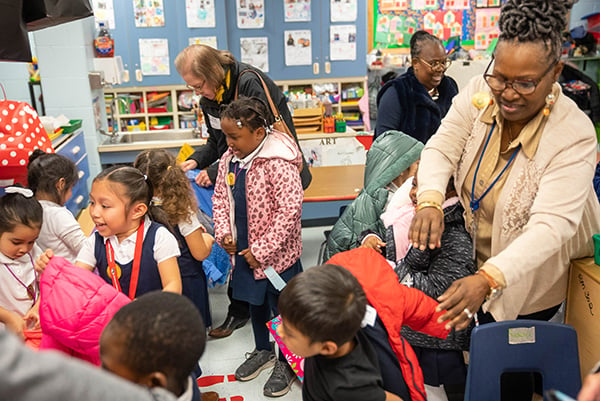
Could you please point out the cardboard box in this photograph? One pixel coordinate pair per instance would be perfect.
(583, 310)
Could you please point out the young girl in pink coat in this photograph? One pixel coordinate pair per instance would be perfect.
(257, 209)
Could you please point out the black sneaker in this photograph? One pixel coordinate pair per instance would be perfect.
(255, 362)
(280, 381)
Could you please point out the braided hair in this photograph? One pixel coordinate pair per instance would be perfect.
(535, 21)
(417, 41)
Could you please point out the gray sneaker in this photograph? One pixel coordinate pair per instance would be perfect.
(281, 380)
(255, 362)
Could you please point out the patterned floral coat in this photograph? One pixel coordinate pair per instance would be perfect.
(274, 198)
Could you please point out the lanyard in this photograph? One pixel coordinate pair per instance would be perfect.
(475, 202)
(114, 271)
(31, 290)
(233, 175)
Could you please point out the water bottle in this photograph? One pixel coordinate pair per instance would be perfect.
(104, 44)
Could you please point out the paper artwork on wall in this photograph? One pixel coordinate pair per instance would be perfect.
(486, 27)
(250, 14)
(148, 13)
(425, 5)
(154, 56)
(393, 5)
(204, 40)
(298, 47)
(255, 51)
(342, 42)
(488, 3)
(104, 12)
(296, 10)
(456, 5)
(200, 13)
(343, 10)
(394, 30)
(443, 24)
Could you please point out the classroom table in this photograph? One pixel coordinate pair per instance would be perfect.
(332, 188)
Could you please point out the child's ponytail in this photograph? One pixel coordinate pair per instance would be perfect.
(45, 170)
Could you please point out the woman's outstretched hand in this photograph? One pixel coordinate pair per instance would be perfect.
(461, 300)
(426, 229)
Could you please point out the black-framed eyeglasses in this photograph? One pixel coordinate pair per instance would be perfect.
(437, 64)
(196, 88)
(521, 86)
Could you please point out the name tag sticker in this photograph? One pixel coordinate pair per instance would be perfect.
(521, 335)
(215, 122)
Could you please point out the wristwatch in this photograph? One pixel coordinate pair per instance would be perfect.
(495, 289)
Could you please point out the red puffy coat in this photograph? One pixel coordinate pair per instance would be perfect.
(75, 306)
(396, 305)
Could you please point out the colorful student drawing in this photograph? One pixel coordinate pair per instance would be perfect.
(296, 10)
(250, 14)
(200, 13)
(393, 5)
(204, 40)
(443, 24)
(486, 27)
(255, 51)
(343, 10)
(488, 3)
(154, 56)
(148, 13)
(104, 12)
(394, 30)
(342, 42)
(456, 5)
(298, 47)
(425, 5)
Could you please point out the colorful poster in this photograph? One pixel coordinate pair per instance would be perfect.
(250, 14)
(104, 11)
(343, 10)
(296, 10)
(456, 4)
(255, 51)
(204, 40)
(342, 42)
(393, 5)
(148, 13)
(443, 24)
(298, 47)
(488, 3)
(425, 5)
(200, 13)
(394, 30)
(154, 56)
(486, 27)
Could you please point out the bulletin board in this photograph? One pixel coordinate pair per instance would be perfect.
(394, 21)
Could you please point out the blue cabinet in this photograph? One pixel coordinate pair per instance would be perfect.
(74, 149)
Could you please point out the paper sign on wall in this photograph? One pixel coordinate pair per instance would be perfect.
(486, 26)
(204, 40)
(148, 13)
(104, 12)
(295, 11)
(200, 13)
(154, 56)
(343, 10)
(255, 51)
(342, 42)
(298, 47)
(250, 14)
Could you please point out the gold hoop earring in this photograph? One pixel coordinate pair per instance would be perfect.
(550, 99)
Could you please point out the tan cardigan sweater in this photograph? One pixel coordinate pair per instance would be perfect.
(547, 212)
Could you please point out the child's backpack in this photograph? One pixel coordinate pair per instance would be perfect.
(21, 131)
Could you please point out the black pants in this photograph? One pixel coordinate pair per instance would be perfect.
(520, 386)
(238, 309)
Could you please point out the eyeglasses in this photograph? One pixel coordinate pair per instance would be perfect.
(437, 64)
(521, 86)
(196, 88)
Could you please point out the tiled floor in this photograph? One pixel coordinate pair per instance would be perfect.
(223, 356)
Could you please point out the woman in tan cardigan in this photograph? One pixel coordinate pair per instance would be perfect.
(523, 156)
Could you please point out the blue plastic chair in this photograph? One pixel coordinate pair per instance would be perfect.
(549, 349)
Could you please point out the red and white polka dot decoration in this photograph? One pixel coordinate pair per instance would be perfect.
(21, 132)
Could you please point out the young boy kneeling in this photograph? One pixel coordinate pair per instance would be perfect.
(321, 313)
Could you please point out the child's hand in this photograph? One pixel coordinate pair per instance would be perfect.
(41, 263)
(229, 245)
(373, 242)
(16, 324)
(252, 262)
(32, 317)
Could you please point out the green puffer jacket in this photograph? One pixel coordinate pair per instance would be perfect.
(391, 154)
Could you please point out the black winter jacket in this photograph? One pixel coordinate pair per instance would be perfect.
(403, 104)
(250, 86)
(432, 271)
